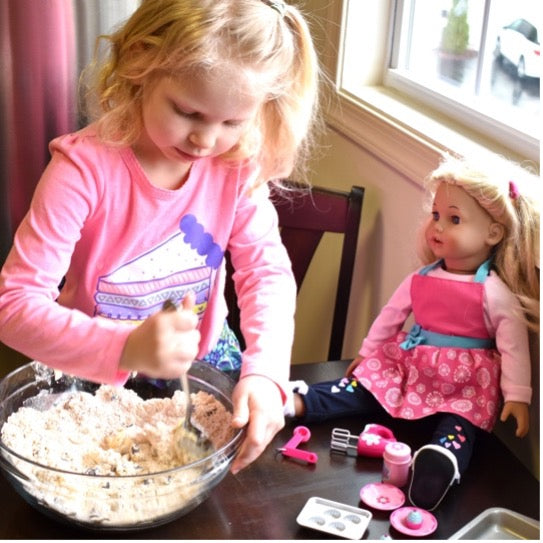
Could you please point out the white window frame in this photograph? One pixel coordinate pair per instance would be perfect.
(382, 111)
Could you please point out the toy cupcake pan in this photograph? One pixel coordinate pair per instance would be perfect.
(334, 518)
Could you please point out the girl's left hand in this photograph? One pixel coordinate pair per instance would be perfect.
(521, 413)
(257, 405)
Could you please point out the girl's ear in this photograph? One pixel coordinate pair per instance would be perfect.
(496, 231)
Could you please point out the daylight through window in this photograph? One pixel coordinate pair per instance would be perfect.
(476, 60)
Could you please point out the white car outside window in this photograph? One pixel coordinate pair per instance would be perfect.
(518, 43)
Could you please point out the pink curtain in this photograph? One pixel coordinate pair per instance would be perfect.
(38, 97)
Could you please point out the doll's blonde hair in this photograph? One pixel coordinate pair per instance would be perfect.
(175, 37)
(509, 194)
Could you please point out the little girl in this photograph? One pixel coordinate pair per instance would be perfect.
(472, 306)
(200, 104)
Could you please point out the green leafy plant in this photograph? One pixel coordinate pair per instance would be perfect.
(455, 35)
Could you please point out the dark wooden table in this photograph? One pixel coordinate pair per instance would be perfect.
(263, 501)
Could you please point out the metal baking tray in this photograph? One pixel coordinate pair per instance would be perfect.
(499, 523)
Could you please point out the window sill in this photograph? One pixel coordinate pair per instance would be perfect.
(397, 129)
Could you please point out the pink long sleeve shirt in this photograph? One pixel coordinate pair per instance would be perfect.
(124, 246)
(501, 312)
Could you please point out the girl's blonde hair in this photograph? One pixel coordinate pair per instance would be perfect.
(508, 193)
(175, 37)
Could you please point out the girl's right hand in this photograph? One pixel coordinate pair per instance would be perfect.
(165, 344)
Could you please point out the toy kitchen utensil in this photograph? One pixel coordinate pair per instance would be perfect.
(396, 463)
(301, 434)
(371, 442)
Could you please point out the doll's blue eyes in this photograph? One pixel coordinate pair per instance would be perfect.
(455, 219)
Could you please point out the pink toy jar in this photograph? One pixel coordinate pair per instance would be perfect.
(396, 462)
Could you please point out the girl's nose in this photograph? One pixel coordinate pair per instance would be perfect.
(203, 138)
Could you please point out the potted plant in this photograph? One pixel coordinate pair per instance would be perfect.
(453, 51)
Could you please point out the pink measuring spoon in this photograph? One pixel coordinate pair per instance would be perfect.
(300, 434)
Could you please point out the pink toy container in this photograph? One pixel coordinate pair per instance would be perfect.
(396, 462)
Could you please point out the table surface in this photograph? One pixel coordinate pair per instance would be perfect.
(263, 501)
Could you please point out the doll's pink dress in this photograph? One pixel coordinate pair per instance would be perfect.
(447, 362)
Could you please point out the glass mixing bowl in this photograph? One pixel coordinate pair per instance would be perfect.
(112, 502)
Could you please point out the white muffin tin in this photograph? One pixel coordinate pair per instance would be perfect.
(334, 518)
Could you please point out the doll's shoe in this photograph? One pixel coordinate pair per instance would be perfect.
(434, 471)
(298, 387)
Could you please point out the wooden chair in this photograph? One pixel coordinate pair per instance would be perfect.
(304, 217)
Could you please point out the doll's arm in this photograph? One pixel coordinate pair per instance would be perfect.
(391, 318)
(511, 334)
(353, 365)
(389, 322)
(520, 411)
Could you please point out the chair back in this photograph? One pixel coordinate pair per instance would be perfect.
(304, 216)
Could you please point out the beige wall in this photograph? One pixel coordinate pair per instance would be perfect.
(390, 215)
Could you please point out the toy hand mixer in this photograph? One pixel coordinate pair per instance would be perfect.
(371, 442)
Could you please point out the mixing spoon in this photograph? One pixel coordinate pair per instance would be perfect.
(190, 440)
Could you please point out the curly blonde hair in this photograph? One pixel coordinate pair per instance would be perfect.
(175, 37)
(508, 192)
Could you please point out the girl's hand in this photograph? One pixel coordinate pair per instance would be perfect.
(352, 366)
(165, 344)
(257, 404)
(520, 411)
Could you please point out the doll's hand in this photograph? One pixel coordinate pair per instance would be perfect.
(257, 404)
(520, 411)
(352, 366)
(165, 344)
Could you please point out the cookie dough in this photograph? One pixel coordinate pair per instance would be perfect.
(115, 456)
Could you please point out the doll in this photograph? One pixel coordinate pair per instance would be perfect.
(473, 303)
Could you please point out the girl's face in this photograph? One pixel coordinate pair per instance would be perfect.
(460, 231)
(200, 115)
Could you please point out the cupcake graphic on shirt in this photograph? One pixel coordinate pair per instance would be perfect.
(185, 262)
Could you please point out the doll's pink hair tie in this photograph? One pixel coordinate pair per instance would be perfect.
(514, 193)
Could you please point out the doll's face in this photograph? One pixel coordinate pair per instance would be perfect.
(460, 231)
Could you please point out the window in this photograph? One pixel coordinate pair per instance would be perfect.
(475, 61)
